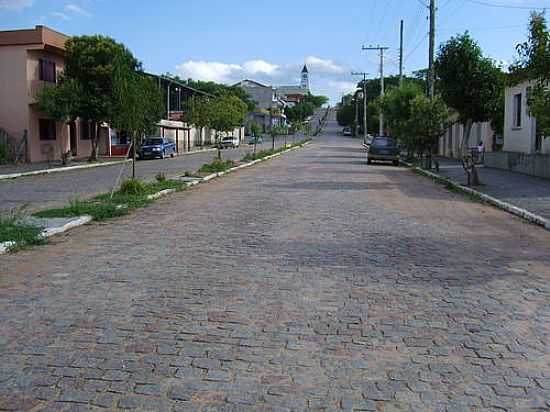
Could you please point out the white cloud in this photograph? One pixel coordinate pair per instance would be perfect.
(61, 16)
(324, 65)
(73, 8)
(203, 70)
(260, 66)
(15, 4)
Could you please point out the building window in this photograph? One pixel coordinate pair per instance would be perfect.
(47, 129)
(517, 110)
(87, 130)
(47, 71)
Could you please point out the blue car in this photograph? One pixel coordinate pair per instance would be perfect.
(157, 147)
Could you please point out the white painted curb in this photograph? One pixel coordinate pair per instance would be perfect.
(61, 169)
(499, 204)
(88, 166)
(161, 194)
(82, 220)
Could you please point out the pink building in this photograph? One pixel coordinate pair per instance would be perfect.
(29, 60)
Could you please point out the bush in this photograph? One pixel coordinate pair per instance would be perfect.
(4, 158)
(217, 166)
(14, 229)
(133, 187)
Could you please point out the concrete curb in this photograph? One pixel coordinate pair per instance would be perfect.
(161, 194)
(87, 166)
(493, 201)
(61, 169)
(252, 163)
(80, 221)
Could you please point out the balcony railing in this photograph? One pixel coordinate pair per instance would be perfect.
(36, 87)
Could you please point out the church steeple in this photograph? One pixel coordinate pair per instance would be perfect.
(304, 84)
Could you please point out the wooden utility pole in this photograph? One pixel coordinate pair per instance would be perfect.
(431, 74)
(381, 50)
(401, 54)
(365, 132)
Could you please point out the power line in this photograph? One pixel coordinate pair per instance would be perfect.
(506, 6)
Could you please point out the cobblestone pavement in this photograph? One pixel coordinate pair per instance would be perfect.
(528, 192)
(41, 192)
(310, 282)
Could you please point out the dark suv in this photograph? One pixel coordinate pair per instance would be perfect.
(384, 149)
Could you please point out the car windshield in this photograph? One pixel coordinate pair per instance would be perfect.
(384, 141)
(228, 138)
(153, 142)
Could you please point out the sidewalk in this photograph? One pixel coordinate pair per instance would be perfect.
(527, 192)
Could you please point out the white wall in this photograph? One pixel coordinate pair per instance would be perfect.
(521, 139)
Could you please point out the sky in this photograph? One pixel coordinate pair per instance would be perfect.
(230, 40)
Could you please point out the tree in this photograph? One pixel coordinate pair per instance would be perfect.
(345, 114)
(198, 112)
(255, 131)
(397, 105)
(428, 121)
(224, 115)
(87, 88)
(534, 64)
(470, 84)
(140, 105)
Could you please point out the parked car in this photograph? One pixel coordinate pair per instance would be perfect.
(347, 131)
(383, 148)
(157, 147)
(367, 140)
(255, 140)
(230, 141)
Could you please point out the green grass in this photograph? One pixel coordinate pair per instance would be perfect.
(14, 229)
(217, 166)
(131, 195)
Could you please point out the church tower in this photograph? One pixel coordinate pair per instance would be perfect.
(305, 78)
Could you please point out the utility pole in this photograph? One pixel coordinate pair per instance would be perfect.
(431, 74)
(380, 49)
(365, 132)
(401, 54)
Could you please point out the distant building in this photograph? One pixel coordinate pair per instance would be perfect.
(295, 94)
(520, 129)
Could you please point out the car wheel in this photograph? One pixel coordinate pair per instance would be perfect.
(396, 162)
(369, 161)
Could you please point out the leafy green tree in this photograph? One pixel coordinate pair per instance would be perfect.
(255, 131)
(140, 105)
(224, 115)
(345, 114)
(198, 112)
(534, 64)
(470, 84)
(428, 121)
(397, 105)
(87, 88)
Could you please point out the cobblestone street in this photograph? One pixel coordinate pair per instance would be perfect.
(309, 282)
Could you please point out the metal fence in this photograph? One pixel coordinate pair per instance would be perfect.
(13, 149)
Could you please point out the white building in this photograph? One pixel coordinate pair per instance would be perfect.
(520, 129)
(450, 142)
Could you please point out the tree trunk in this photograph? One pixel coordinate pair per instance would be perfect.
(272, 141)
(467, 162)
(95, 141)
(219, 145)
(134, 148)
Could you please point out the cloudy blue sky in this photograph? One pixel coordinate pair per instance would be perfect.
(228, 40)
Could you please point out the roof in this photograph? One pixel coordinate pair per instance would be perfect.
(179, 83)
(250, 83)
(305, 70)
(286, 90)
(40, 36)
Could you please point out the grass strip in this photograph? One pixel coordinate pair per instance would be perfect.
(131, 195)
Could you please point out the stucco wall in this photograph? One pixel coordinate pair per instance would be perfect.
(14, 110)
(518, 139)
(449, 144)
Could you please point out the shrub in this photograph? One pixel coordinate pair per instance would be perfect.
(217, 166)
(132, 187)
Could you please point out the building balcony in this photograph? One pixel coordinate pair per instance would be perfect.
(35, 88)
